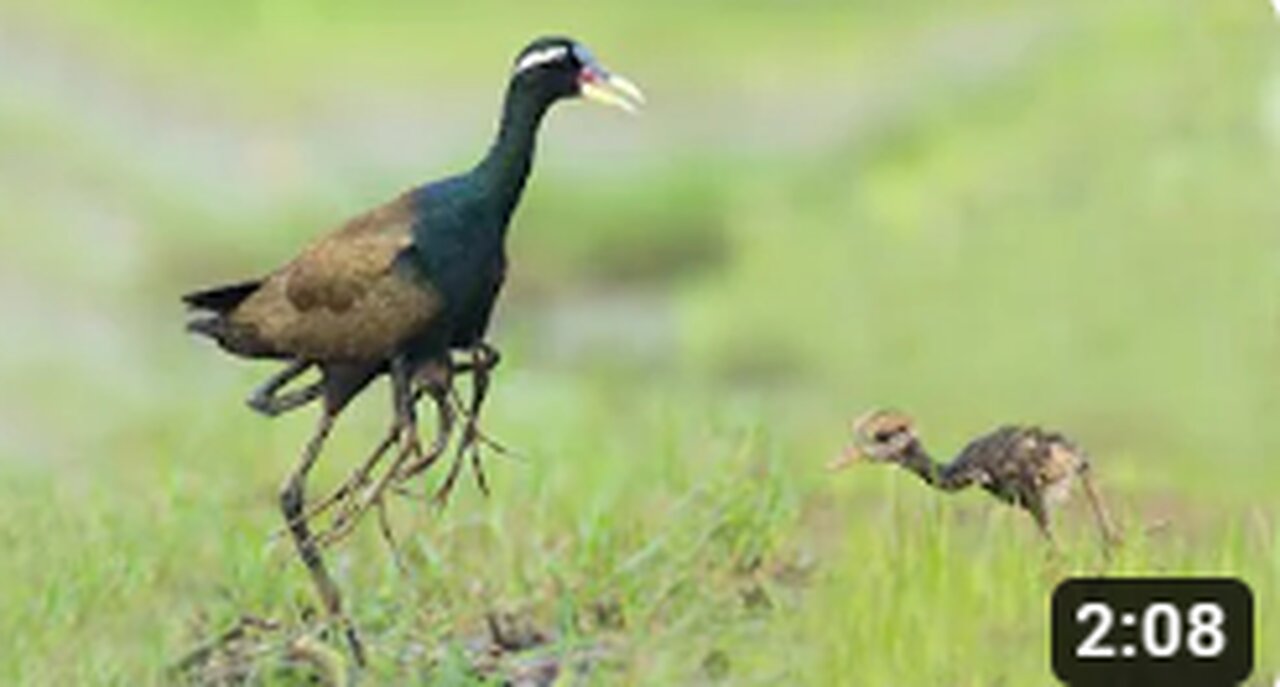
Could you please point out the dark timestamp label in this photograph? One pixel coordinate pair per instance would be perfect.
(1154, 632)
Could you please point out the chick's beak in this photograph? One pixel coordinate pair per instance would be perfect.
(847, 457)
(595, 83)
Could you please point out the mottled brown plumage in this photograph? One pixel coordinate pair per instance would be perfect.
(1025, 466)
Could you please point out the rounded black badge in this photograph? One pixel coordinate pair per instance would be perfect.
(1152, 631)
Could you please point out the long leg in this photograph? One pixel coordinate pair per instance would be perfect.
(294, 399)
(438, 388)
(405, 413)
(1036, 507)
(439, 393)
(266, 399)
(359, 478)
(1106, 527)
(446, 487)
(389, 536)
(436, 380)
(484, 359)
(339, 385)
(348, 490)
(292, 502)
(397, 471)
(346, 520)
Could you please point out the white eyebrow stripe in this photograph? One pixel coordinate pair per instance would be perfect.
(539, 57)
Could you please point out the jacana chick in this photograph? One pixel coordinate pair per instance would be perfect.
(1025, 466)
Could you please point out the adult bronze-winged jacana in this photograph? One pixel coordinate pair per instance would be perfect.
(395, 288)
(1028, 467)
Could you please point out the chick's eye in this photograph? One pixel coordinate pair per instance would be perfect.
(883, 435)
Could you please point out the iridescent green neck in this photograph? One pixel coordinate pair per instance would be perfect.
(506, 166)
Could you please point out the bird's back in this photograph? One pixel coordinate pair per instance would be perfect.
(1017, 462)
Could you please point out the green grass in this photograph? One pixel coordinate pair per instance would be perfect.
(1080, 236)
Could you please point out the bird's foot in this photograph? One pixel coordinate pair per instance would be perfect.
(473, 438)
(469, 451)
(244, 638)
(411, 447)
(366, 493)
(326, 664)
(310, 644)
(354, 508)
(441, 498)
(421, 462)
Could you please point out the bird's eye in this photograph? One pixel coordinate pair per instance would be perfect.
(883, 436)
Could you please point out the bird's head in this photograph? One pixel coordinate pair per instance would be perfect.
(879, 436)
(558, 67)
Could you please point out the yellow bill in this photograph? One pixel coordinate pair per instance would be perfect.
(611, 89)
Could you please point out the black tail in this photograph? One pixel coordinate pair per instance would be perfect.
(221, 299)
(212, 320)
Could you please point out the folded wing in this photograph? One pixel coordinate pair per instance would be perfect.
(353, 295)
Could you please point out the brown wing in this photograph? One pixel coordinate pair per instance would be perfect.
(343, 298)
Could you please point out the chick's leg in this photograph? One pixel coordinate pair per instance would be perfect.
(267, 400)
(1106, 526)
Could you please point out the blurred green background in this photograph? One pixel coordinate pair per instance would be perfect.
(980, 211)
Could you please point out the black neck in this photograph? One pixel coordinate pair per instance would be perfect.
(506, 167)
(938, 475)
